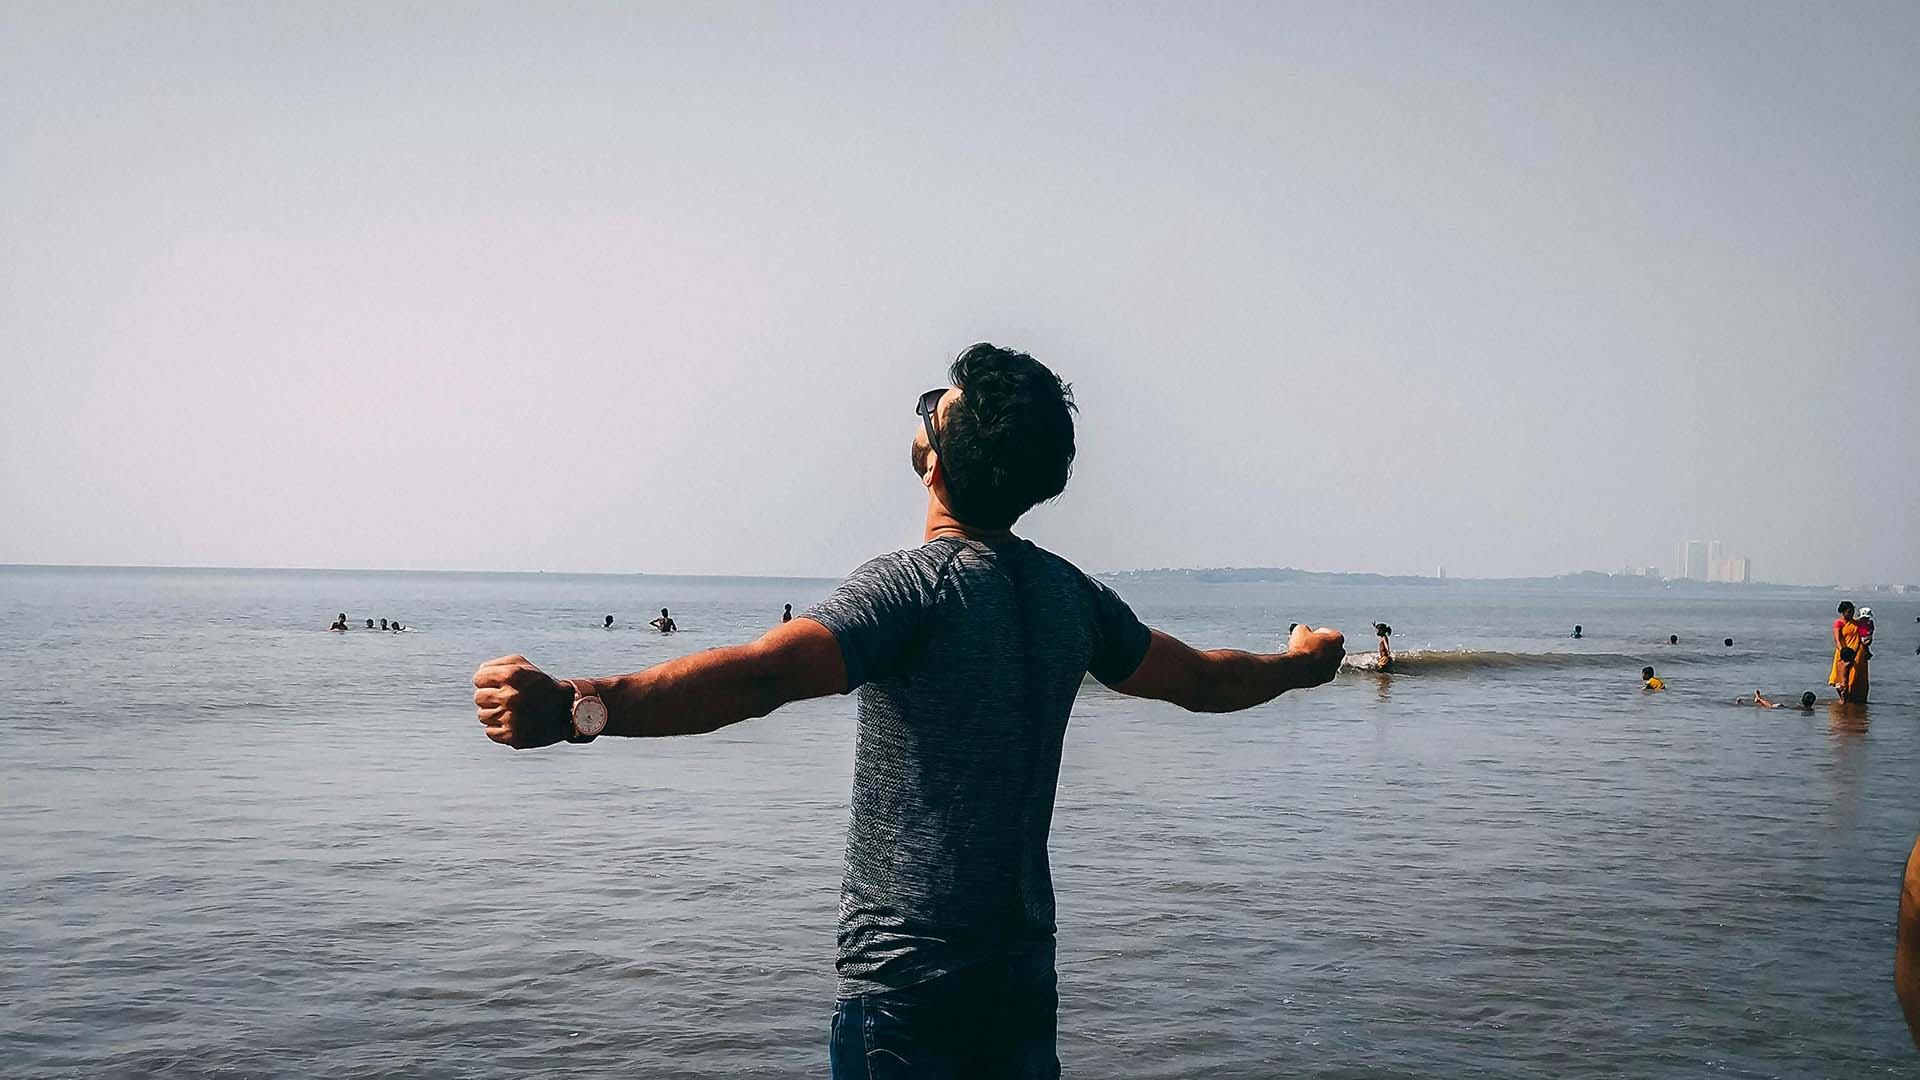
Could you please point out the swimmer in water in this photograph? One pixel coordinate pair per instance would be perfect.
(1653, 682)
(1385, 633)
(339, 622)
(369, 624)
(1807, 702)
(1576, 630)
(383, 624)
(786, 614)
(609, 624)
(664, 623)
(1673, 639)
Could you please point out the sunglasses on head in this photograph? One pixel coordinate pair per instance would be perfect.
(928, 405)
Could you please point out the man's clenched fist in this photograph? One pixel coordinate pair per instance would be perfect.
(521, 706)
(1320, 652)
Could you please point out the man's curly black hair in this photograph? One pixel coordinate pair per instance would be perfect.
(1006, 444)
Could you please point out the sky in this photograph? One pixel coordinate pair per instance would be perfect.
(1512, 288)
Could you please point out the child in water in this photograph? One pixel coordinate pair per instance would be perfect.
(1653, 682)
(1384, 632)
(1759, 699)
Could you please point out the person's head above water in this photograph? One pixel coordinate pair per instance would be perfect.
(663, 613)
(998, 441)
(369, 624)
(1673, 639)
(1646, 673)
(1728, 643)
(609, 620)
(1576, 629)
(1806, 700)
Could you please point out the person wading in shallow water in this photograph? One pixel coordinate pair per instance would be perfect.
(967, 652)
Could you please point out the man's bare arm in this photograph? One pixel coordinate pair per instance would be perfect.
(1906, 957)
(1227, 680)
(524, 707)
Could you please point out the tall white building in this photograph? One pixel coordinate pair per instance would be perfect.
(1692, 562)
(1716, 561)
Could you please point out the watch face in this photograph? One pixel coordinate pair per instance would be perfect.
(589, 716)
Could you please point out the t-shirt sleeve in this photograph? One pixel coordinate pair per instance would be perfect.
(1119, 637)
(875, 616)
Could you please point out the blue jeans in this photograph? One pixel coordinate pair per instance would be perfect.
(993, 1020)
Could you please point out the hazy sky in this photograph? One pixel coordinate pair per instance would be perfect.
(1518, 288)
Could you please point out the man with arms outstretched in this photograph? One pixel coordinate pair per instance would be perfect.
(967, 652)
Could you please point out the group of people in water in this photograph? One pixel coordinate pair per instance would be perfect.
(390, 626)
(665, 624)
(1852, 652)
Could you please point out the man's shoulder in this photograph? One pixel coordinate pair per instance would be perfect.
(924, 564)
(1066, 568)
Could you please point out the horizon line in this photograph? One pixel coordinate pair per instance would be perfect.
(393, 570)
(822, 577)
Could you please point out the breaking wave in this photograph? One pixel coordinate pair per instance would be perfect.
(1442, 661)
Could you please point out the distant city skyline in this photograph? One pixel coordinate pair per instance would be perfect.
(1709, 560)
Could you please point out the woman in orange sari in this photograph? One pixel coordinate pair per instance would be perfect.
(1837, 679)
(1853, 673)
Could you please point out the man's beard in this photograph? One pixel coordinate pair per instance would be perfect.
(920, 459)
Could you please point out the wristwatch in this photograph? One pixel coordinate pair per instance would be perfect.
(589, 716)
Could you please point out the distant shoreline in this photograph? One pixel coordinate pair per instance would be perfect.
(1584, 581)
(361, 571)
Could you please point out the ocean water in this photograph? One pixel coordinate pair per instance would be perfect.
(232, 844)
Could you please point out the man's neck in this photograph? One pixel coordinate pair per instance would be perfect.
(941, 522)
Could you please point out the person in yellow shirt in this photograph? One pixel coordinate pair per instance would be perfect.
(1653, 681)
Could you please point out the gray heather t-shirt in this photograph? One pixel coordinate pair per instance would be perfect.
(967, 657)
